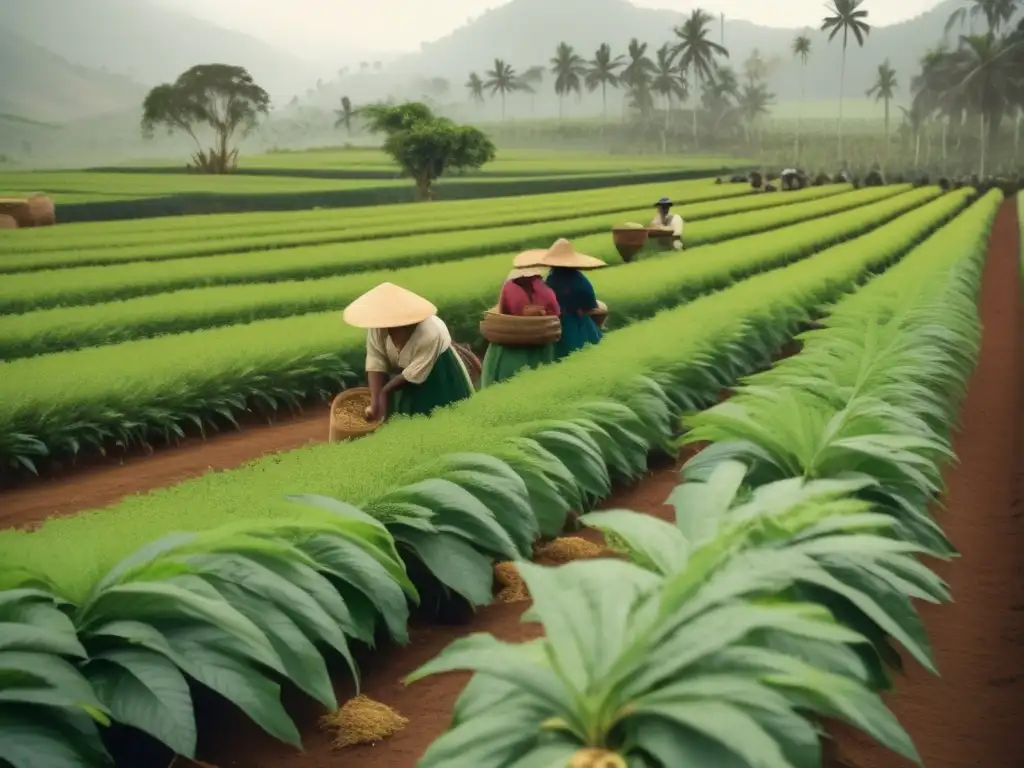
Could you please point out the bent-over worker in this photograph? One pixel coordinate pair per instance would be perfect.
(575, 294)
(523, 294)
(410, 363)
(665, 219)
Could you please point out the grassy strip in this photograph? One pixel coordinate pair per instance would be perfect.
(75, 551)
(122, 234)
(353, 193)
(142, 390)
(162, 247)
(92, 285)
(64, 328)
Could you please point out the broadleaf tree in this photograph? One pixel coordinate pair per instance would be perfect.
(220, 97)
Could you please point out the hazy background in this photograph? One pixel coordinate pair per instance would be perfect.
(75, 71)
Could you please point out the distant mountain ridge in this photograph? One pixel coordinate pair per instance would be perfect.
(148, 42)
(39, 85)
(526, 32)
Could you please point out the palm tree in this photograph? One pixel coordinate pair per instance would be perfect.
(529, 82)
(697, 54)
(933, 90)
(601, 72)
(802, 49)
(569, 69)
(344, 115)
(502, 79)
(754, 101)
(987, 76)
(884, 90)
(637, 74)
(996, 12)
(913, 122)
(848, 18)
(475, 86)
(668, 81)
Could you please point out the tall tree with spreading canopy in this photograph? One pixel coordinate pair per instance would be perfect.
(528, 82)
(697, 53)
(502, 79)
(569, 70)
(668, 82)
(997, 14)
(802, 50)
(847, 18)
(637, 76)
(884, 90)
(220, 97)
(475, 86)
(602, 71)
(424, 145)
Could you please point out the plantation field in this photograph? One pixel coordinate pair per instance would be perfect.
(779, 595)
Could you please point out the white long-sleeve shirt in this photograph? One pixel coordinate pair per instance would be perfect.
(415, 361)
(673, 222)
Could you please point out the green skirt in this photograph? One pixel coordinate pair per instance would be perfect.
(577, 332)
(502, 362)
(447, 383)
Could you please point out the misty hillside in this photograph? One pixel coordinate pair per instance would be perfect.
(526, 32)
(148, 42)
(40, 85)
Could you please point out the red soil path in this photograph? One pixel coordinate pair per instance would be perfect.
(104, 482)
(237, 743)
(973, 714)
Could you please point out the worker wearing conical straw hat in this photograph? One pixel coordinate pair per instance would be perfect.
(410, 363)
(523, 294)
(673, 222)
(575, 294)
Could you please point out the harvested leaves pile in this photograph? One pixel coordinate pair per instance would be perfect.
(362, 721)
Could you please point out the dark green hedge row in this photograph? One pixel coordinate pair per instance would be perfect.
(453, 189)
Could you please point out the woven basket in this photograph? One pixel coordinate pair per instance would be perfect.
(7, 222)
(473, 365)
(516, 331)
(348, 418)
(661, 235)
(600, 314)
(18, 210)
(628, 241)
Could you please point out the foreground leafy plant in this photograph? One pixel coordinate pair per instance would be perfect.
(703, 668)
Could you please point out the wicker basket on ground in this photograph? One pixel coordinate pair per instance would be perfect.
(18, 210)
(348, 415)
(516, 331)
(629, 239)
(42, 210)
(600, 314)
(473, 365)
(7, 222)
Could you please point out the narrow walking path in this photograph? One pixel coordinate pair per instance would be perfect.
(973, 715)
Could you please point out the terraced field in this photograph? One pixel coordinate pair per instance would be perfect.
(774, 592)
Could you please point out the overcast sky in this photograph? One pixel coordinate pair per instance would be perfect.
(318, 26)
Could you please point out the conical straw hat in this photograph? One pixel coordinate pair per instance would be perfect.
(562, 254)
(529, 258)
(388, 306)
(525, 272)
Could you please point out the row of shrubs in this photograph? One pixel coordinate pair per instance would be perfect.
(791, 181)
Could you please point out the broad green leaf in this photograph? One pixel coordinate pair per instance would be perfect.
(507, 501)
(701, 507)
(146, 690)
(454, 562)
(27, 637)
(52, 674)
(651, 543)
(48, 738)
(486, 740)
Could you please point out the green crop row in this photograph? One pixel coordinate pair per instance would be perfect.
(122, 234)
(75, 551)
(25, 292)
(137, 390)
(261, 596)
(758, 550)
(163, 247)
(63, 328)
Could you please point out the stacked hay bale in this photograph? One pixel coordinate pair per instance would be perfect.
(35, 211)
(7, 222)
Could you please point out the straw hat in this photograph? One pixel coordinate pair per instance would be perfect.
(529, 258)
(525, 272)
(562, 254)
(388, 306)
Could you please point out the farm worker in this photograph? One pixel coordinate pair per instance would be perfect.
(791, 179)
(410, 363)
(575, 294)
(665, 219)
(524, 294)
